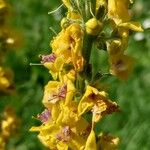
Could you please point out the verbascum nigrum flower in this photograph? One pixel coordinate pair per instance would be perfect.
(75, 94)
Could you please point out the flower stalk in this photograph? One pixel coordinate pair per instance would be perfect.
(76, 91)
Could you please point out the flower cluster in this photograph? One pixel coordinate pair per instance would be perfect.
(9, 122)
(118, 13)
(8, 127)
(74, 105)
(7, 40)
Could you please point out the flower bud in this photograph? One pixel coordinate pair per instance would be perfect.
(64, 23)
(93, 26)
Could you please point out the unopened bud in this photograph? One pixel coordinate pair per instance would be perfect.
(93, 26)
(64, 23)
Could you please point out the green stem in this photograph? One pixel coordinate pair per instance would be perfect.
(88, 39)
(80, 84)
(85, 75)
(87, 47)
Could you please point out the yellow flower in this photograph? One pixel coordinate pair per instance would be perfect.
(6, 77)
(123, 31)
(121, 66)
(76, 36)
(59, 68)
(52, 134)
(69, 115)
(97, 102)
(108, 142)
(57, 95)
(52, 93)
(58, 92)
(61, 45)
(66, 48)
(47, 134)
(118, 11)
(115, 48)
(93, 26)
(68, 44)
(59, 137)
(64, 133)
(62, 128)
(55, 67)
(53, 97)
(10, 123)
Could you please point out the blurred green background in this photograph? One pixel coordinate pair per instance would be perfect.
(30, 17)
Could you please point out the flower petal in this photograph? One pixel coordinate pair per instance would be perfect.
(135, 26)
(91, 142)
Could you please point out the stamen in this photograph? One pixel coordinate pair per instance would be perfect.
(62, 91)
(53, 98)
(64, 134)
(48, 58)
(44, 116)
